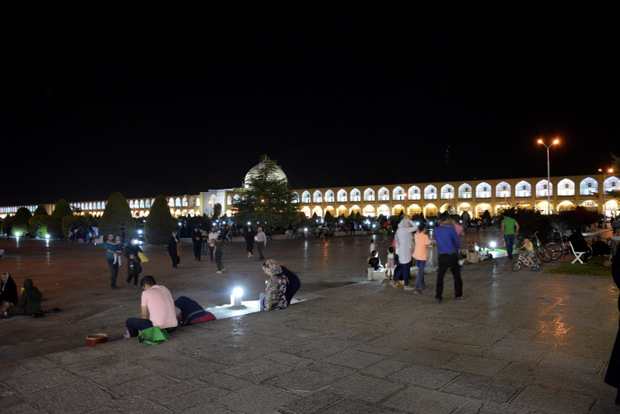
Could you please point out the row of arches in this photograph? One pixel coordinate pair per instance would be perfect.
(431, 209)
(543, 188)
(141, 203)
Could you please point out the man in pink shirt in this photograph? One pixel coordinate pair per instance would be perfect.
(157, 309)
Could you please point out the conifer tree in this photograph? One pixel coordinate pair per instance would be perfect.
(116, 217)
(159, 224)
(268, 199)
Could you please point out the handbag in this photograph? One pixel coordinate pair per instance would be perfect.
(153, 335)
(143, 257)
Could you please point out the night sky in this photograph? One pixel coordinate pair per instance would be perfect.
(178, 107)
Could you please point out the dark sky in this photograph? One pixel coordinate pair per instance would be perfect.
(165, 107)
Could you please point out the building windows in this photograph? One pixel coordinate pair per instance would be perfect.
(369, 194)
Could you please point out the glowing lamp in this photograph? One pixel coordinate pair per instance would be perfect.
(235, 298)
(492, 244)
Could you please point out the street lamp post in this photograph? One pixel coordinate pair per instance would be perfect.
(555, 141)
(609, 170)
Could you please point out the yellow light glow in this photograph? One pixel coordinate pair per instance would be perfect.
(540, 141)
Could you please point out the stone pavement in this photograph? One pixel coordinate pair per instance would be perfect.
(520, 342)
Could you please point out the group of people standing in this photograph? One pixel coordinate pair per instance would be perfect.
(251, 237)
(211, 243)
(115, 249)
(411, 242)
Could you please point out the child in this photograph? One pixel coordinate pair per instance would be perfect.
(372, 246)
(374, 261)
(528, 251)
(421, 254)
(119, 250)
(390, 263)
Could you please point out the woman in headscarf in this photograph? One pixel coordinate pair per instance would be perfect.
(274, 296)
(29, 304)
(8, 289)
(191, 312)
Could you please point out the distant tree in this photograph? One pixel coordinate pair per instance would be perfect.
(73, 221)
(54, 226)
(486, 216)
(198, 221)
(579, 218)
(465, 218)
(37, 225)
(217, 210)
(268, 199)
(530, 221)
(40, 211)
(19, 222)
(116, 216)
(328, 217)
(159, 224)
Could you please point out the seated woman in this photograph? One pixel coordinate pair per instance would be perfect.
(8, 289)
(29, 304)
(293, 283)
(191, 312)
(274, 296)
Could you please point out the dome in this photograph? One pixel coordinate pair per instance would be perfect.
(276, 174)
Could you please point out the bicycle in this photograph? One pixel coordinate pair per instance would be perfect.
(522, 261)
(560, 246)
(540, 251)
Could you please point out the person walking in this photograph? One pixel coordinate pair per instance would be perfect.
(197, 240)
(249, 241)
(113, 260)
(134, 268)
(448, 243)
(173, 246)
(219, 245)
(212, 238)
(261, 241)
(510, 228)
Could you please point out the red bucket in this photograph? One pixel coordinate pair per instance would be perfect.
(96, 339)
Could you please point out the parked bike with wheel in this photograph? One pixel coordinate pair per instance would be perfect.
(540, 250)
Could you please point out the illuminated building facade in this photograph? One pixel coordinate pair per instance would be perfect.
(429, 199)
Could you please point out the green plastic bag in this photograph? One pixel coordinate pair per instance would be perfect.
(153, 336)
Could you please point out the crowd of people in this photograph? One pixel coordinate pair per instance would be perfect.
(412, 243)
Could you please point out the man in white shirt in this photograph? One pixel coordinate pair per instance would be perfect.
(261, 241)
(212, 238)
